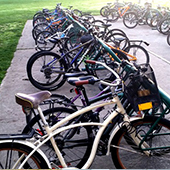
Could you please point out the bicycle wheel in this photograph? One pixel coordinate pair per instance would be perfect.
(88, 17)
(46, 70)
(37, 14)
(75, 144)
(140, 54)
(118, 40)
(113, 31)
(10, 152)
(130, 20)
(113, 16)
(125, 154)
(77, 12)
(168, 39)
(165, 26)
(72, 41)
(39, 28)
(43, 43)
(98, 70)
(39, 19)
(104, 11)
(154, 20)
(98, 25)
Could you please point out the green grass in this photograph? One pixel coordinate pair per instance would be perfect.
(15, 13)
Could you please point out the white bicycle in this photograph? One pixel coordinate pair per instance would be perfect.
(136, 142)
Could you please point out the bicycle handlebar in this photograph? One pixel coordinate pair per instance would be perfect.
(116, 82)
(91, 80)
(104, 65)
(79, 81)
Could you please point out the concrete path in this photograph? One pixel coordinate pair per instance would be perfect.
(12, 119)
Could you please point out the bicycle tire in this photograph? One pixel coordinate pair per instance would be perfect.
(98, 70)
(98, 25)
(90, 18)
(43, 76)
(158, 26)
(75, 146)
(113, 16)
(104, 11)
(39, 28)
(77, 12)
(123, 158)
(168, 39)
(138, 51)
(42, 43)
(119, 40)
(39, 13)
(39, 19)
(130, 20)
(113, 31)
(72, 41)
(12, 150)
(164, 26)
(155, 20)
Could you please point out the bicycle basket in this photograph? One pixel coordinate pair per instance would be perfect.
(141, 89)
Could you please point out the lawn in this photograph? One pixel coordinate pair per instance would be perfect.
(14, 14)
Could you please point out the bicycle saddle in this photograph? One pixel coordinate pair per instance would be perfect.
(57, 39)
(106, 25)
(32, 100)
(86, 38)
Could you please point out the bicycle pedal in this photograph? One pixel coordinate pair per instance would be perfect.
(99, 153)
(101, 150)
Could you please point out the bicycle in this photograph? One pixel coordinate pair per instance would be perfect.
(168, 39)
(115, 14)
(47, 15)
(52, 76)
(53, 26)
(132, 19)
(110, 35)
(158, 16)
(54, 66)
(46, 41)
(117, 40)
(106, 10)
(132, 52)
(133, 134)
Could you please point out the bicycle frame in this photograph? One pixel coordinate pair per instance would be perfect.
(123, 10)
(132, 58)
(56, 129)
(83, 50)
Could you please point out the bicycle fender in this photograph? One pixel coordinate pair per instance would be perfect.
(32, 146)
(115, 130)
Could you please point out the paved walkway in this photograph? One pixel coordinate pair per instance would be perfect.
(12, 118)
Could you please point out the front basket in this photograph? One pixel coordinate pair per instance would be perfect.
(141, 89)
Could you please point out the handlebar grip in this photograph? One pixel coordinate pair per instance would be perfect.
(79, 83)
(146, 43)
(88, 81)
(90, 61)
